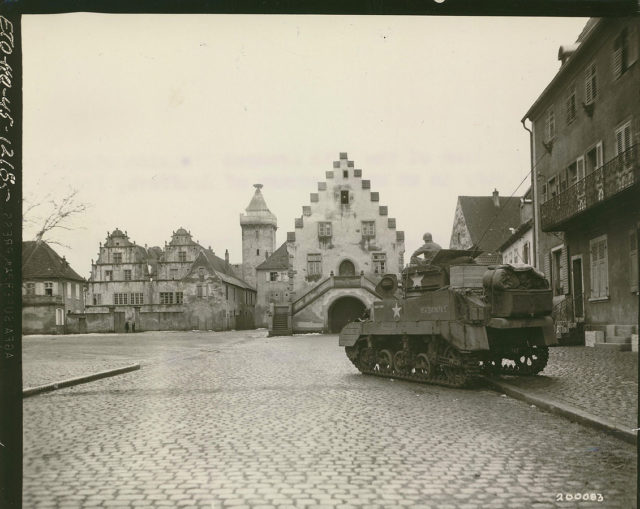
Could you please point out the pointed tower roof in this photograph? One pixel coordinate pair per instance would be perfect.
(257, 211)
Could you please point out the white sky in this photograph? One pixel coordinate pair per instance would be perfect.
(162, 121)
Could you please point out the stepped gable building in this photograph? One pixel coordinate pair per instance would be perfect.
(259, 227)
(181, 287)
(484, 223)
(325, 274)
(52, 292)
(585, 129)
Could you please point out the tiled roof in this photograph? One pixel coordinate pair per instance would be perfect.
(489, 225)
(40, 261)
(224, 270)
(279, 259)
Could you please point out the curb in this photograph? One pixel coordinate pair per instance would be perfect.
(32, 391)
(570, 412)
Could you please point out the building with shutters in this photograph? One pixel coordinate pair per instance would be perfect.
(517, 249)
(585, 129)
(325, 274)
(484, 223)
(52, 292)
(182, 286)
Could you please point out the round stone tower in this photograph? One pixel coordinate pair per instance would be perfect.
(259, 227)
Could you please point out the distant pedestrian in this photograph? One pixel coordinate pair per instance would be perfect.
(133, 326)
(126, 326)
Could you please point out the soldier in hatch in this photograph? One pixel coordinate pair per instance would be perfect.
(429, 249)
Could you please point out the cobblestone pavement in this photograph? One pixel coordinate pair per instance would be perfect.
(240, 420)
(600, 382)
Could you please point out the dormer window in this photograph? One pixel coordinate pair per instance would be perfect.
(344, 197)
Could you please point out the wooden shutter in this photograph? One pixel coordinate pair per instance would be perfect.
(588, 91)
(617, 58)
(633, 260)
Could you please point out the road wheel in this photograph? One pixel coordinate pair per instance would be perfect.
(402, 362)
(423, 366)
(385, 361)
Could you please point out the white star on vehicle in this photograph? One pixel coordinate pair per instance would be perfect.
(417, 280)
(396, 311)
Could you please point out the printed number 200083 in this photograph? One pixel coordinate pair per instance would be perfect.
(569, 497)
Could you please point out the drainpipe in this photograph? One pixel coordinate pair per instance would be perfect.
(534, 190)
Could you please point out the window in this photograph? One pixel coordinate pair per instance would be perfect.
(68, 285)
(599, 268)
(179, 297)
(590, 84)
(166, 297)
(48, 289)
(117, 257)
(544, 193)
(345, 173)
(379, 263)
(97, 299)
(173, 273)
(324, 229)
(593, 158)
(30, 288)
(368, 229)
(226, 292)
(59, 316)
(623, 138)
(127, 274)
(108, 275)
(201, 273)
(552, 188)
(556, 272)
(571, 104)
(572, 173)
(182, 256)
(273, 276)
(257, 252)
(200, 291)
(314, 264)
(344, 197)
(137, 298)
(120, 299)
(525, 253)
(549, 125)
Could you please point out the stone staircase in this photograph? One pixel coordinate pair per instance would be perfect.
(615, 337)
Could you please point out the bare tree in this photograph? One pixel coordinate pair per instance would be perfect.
(57, 215)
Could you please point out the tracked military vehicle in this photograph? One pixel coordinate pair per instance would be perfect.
(450, 319)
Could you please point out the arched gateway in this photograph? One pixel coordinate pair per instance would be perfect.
(343, 311)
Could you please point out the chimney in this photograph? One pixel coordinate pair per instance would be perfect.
(496, 198)
(226, 256)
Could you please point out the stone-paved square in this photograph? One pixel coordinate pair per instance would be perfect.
(236, 419)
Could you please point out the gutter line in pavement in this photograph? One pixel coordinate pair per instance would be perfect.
(32, 391)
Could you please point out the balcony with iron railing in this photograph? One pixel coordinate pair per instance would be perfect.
(616, 176)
